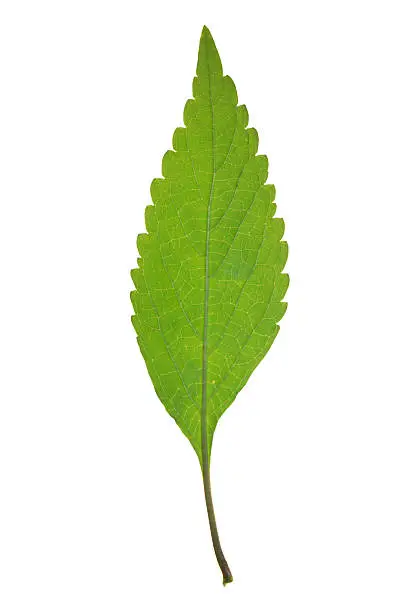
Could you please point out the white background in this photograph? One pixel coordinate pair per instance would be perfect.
(101, 503)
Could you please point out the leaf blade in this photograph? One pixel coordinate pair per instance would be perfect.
(209, 286)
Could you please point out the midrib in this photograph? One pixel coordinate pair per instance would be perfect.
(204, 436)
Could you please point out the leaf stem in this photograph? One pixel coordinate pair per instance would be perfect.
(222, 562)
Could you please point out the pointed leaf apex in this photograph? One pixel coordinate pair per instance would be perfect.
(208, 59)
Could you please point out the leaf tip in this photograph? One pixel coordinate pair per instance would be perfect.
(208, 57)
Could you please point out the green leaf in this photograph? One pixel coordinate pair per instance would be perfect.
(209, 282)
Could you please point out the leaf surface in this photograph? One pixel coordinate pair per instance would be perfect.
(209, 282)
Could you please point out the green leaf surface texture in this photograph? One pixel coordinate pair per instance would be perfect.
(209, 282)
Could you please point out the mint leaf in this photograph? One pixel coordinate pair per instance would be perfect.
(209, 282)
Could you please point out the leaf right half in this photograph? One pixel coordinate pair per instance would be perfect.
(209, 282)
